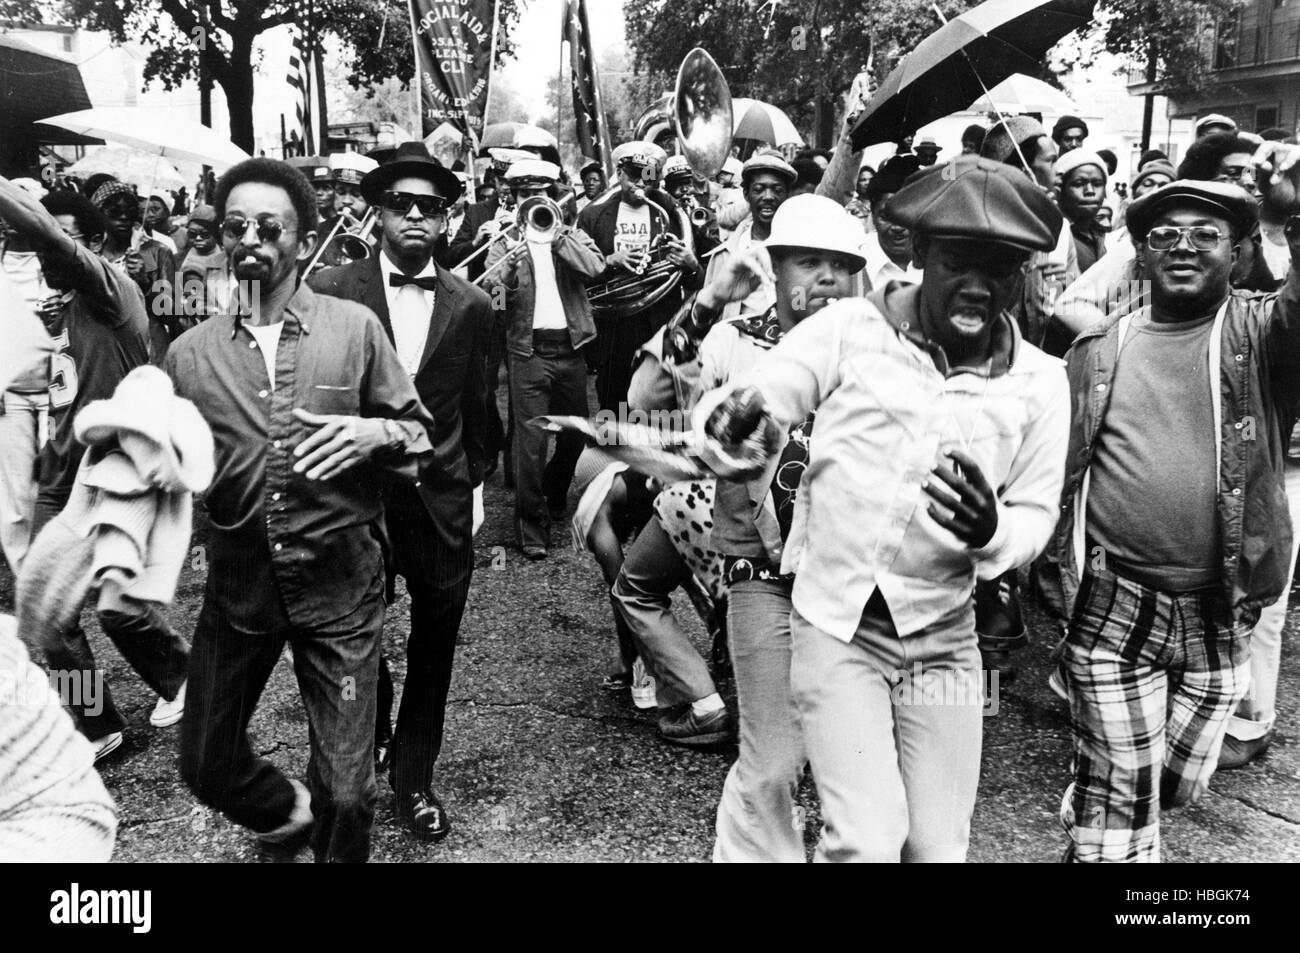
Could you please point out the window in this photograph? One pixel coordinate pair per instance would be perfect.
(1225, 42)
(1266, 117)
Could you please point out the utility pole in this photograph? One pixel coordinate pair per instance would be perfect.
(1149, 100)
(205, 75)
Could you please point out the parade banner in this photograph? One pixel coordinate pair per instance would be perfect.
(454, 45)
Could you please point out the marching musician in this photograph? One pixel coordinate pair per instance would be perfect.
(543, 274)
(679, 182)
(439, 325)
(484, 219)
(628, 227)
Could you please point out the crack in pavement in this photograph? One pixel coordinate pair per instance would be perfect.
(1290, 821)
(125, 825)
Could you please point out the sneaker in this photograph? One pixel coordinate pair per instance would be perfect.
(1056, 682)
(643, 686)
(299, 822)
(1236, 753)
(167, 713)
(696, 731)
(106, 745)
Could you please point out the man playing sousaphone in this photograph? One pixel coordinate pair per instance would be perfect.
(634, 228)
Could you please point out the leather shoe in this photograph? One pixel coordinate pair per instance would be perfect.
(696, 731)
(535, 553)
(999, 627)
(423, 815)
(383, 755)
(1236, 753)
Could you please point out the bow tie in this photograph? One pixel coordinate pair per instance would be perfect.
(424, 283)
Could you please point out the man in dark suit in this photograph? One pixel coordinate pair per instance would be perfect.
(439, 326)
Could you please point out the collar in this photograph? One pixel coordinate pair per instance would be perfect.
(387, 268)
(900, 304)
(297, 313)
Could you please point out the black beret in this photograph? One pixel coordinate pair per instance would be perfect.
(976, 198)
(1068, 122)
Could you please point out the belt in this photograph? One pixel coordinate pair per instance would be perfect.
(552, 336)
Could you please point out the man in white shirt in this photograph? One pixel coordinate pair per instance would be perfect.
(542, 290)
(888, 247)
(927, 399)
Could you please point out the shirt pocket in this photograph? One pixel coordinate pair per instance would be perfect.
(342, 399)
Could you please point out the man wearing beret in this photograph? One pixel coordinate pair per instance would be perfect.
(1174, 531)
(439, 325)
(943, 433)
(1069, 133)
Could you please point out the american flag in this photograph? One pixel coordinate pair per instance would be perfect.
(302, 137)
(588, 115)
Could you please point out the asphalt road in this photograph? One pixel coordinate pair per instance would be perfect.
(540, 764)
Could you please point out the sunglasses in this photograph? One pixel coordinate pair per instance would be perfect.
(429, 205)
(116, 209)
(268, 229)
(1167, 237)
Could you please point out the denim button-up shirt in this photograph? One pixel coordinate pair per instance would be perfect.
(286, 549)
(888, 407)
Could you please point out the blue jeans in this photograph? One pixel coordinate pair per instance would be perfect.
(757, 820)
(337, 668)
(896, 766)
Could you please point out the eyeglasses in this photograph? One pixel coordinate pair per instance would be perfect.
(401, 202)
(268, 229)
(1167, 237)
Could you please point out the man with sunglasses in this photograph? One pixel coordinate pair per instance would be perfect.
(936, 459)
(626, 226)
(1174, 531)
(439, 324)
(309, 406)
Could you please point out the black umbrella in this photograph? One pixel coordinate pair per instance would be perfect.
(955, 64)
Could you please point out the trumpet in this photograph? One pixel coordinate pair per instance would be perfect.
(353, 242)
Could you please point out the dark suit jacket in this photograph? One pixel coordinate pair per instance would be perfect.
(451, 382)
(462, 243)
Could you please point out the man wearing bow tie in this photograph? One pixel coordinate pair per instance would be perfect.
(439, 325)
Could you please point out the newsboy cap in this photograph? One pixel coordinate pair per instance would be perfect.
(976, 198)
(1220, 198)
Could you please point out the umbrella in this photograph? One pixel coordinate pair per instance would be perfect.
(157, 131)
(1019, 93)
(129, 165)
(752, 119)
(954, 65)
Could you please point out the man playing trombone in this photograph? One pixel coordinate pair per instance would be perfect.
(541, 266)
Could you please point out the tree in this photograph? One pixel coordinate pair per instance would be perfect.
(800, 55)
(220, 37)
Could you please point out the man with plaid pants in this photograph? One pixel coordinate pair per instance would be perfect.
(1174, 531)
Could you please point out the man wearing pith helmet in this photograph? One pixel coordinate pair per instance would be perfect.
(1174, 530)
(937, 459)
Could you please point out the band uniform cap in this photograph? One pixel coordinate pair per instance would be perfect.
(316, 168)
(1214, 119)
(817, 222)
(768, 162)
(592, 165)
(657, 157)
(533, 169)
(503, 156)
(677, 166)
(635, 152)
(351, 167)
(412, 160)
(1076, 158)
(1222, 198)
(977, 198)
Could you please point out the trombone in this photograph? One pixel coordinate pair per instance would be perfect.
(538, 220)
(353, 241)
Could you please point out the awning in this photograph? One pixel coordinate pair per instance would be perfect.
(35, 84)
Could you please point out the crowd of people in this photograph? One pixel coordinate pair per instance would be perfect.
(996, 362)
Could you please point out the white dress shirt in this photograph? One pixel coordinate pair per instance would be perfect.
(410, 309)
(548, 309)
(880, 267)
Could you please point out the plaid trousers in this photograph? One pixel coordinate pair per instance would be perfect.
(1153, 678)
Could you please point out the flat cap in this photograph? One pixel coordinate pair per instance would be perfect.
(1002, 137)
(977, 198)
(1220, 198)
(1214, 119)
(768, 162)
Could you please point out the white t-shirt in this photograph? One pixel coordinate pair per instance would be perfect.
(548, 309)
(268, 341)
(632, 229)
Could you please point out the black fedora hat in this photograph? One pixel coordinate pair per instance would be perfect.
(412, 160)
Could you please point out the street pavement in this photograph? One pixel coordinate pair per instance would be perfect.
(540, 764)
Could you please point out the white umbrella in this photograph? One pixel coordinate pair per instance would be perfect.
(1019, 93)
(754, 119)
(157, 131)
(129, 165)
